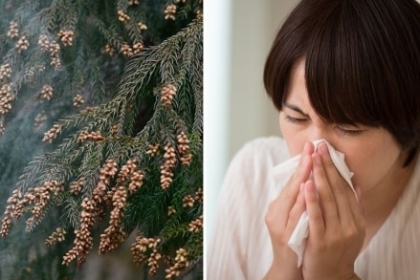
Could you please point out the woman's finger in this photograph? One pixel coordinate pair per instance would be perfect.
(304, 168)
(325, 193)
(287, 198)
(297, 209)
(342, 192)
(316, 220)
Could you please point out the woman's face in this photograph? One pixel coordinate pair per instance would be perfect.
(371, 153)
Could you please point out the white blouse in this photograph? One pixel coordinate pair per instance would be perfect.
(241, 246)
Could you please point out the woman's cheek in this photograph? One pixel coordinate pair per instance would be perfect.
(364, 168)
(357, 164)
(357, 179)
(295, 145)
(294, 142)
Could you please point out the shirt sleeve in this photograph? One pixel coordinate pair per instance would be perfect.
(228, 247)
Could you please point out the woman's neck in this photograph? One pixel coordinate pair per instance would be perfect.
(379, 201)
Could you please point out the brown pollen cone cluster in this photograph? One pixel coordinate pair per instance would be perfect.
(199, 195)
(133, 2)
(114, 235)
(109, 49)
(108, 170)
(94, 136)
(153, 150)
(114, 129)
(184, 148)
(100, 193)
(196, 225)
(166, 169)
(53, 48)
(1, 127)
(13, 211)
(167, 94)
(66, 37)
(170, 12)
(188, 201)
(92, 209)
(171, 210)
(39, 197)
(152, 262)
(51, 134)
(199, 14)
(22, 44)
(123, 17)
(83, 241)
(55, 55)
(46, 92)
(78, 100)
(137, 47)
(130, 173)
(40, 119)
(57, 236)
(34, 200)
(136, 181)
(77, 186)
(143, 247)
(6, 98)
(13, 31)
(126, 171)
(181, 262)
(142, 26)
(44, 43)
(126, 50)
(5, 71)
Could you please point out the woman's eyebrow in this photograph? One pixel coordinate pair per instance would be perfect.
(295, 108)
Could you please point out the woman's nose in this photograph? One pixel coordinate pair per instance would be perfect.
(318, 133)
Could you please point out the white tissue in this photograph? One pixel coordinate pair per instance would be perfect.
(284, 171)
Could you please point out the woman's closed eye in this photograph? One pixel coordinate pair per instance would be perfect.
(340, 130)
(347, 131)
(295, 120)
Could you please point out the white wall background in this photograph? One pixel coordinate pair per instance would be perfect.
(237, 37)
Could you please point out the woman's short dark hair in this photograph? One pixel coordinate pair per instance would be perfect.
(362, 63)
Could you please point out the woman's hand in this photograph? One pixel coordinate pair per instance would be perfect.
(336, 223)
(283, 214)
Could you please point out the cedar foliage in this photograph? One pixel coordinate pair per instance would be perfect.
(101, 116)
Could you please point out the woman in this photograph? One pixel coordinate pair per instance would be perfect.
(347, 71)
